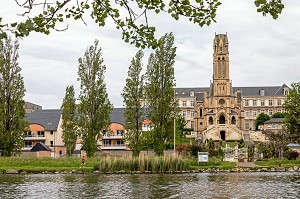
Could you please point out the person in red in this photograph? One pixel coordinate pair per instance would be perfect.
(82, 161)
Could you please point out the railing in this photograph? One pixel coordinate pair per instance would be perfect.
(113, 146)
(111, 136)
(34, 137)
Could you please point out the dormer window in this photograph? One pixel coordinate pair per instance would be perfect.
(285, 91)
(192, 93)
(262, 92)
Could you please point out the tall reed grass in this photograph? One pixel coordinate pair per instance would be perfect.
(145, 164)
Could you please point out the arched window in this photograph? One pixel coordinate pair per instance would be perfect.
(222, 119)
(210, 121)
(233, 120)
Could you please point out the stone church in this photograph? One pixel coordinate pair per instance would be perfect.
(223, 112)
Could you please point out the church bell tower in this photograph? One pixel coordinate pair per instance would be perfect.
(221, 81)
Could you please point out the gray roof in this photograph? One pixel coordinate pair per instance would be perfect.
(40, 146)
(48, 118)
(274, 120)
(246, 91)
(117, 116)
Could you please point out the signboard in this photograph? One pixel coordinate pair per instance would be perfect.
(202, 156)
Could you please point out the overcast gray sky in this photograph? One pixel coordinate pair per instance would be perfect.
(263, 51)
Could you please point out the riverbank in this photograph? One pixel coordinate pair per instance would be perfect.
(15, 165)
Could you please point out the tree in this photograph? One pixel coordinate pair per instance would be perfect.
(279, 141)
(261, 118)
(133, 95)
(12, 112)
(292, 108)
(130, 17)
(180, 127)
(69, 119)
(160, 82)
(278, 115)
(94, 107)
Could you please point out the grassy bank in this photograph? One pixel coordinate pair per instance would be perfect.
(104, 165)
(43, 164)
(272, 163)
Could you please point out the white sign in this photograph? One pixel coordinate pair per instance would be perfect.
(202, 156)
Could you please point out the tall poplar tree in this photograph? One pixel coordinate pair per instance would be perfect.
(292, 108)
(133, 95)
(69, 119)
(160, 92)
(94, 107)
(12, 91)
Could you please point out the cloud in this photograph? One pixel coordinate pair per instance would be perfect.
(263, 51)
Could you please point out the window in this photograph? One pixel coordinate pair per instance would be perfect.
(41, 134)
(184, 103)
(262, 111)
(211, 121)
(106, 142)
(246, 103)
(192, 114)
(262, 92)
(183, 113)
(262, 103)
(246, 125)
(192, 124)
(273, 126)
(270, 112)
(192, 93)
(192, 103)
(120, 132)
(285, 92)
(51, 132)
(28, 144)
(279, 126)
(270, 102)
(254, 113)
(246, 113)
(279, 110)
(30, 134)
(279, 102)
(51, 143)
(201, 112)
(269, 126)
(254, 103)
(258, 112)
(119, 142)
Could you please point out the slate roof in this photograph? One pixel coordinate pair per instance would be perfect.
(40, 146)
(48, 118)
(274, 120)
(117, 116)
(246, 91)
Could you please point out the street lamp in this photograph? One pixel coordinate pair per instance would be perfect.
(174, 124)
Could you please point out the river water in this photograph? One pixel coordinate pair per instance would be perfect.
(192, 185)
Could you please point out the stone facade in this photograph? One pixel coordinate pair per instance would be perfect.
(223, 112)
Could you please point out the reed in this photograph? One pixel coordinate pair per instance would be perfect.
(142, 164)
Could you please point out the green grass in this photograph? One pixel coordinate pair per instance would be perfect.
(214, 163)
(272, 163)
(43, 164)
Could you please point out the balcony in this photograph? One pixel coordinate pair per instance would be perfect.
(114, 146)
(34, 137)
(111, 136)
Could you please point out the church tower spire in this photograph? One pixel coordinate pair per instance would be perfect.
(221, 57)
(221, 81)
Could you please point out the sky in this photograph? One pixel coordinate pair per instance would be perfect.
(262, 51)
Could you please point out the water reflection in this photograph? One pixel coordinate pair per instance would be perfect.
(200, 185)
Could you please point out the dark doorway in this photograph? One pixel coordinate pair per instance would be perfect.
(223, 135)
(222, 119)
(211, 121)
(233, 120)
